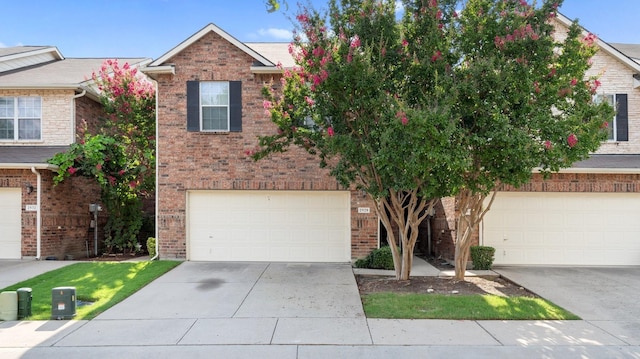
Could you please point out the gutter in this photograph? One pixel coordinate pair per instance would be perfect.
(594, 170)
(73, 114)
(266, 70)
(22, 166)
(45, 86)
(38, 212)
(155, 83)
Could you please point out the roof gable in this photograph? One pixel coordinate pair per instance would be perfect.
(12, 58)
(198, 35)
(604, 46)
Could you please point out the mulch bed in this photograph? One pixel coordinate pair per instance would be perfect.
(441, 285)
(438, 285)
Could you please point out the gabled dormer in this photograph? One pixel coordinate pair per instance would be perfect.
(275, 53)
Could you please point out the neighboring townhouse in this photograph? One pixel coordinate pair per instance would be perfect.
(214, 201)
(588, 214)
(44, 101)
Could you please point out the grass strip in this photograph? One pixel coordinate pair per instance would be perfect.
(103, 284)
(461, 307)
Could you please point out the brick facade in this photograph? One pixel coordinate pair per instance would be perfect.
(65, 217)
(210, 161)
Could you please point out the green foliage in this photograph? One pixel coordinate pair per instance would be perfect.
(103, 283)
(380, 258)
(151, 246)
(458, 307)
(121, 156)
(437, 102)
(482, 257)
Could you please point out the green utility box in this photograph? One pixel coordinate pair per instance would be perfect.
(24, 302)
(63, 303)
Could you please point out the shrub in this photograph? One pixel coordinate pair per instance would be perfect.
(151, 246)
(482, 257)
(380, 258)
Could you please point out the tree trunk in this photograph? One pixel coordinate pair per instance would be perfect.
(407, 210)
(471, 213)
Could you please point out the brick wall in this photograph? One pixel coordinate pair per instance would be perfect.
(65, 214)
(192, 161)
(88, 112)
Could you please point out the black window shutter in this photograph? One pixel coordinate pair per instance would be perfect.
(622, 118)
(193, 106)
(235, 106)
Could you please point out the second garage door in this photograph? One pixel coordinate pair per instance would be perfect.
(291, 226)
(10, 223)
(564, 228)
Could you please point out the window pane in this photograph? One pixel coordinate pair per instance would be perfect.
(6, 107)
(610, 99)
(6, 129)
(215, 119)
(29, 107)
(29, 129)
(214, 94)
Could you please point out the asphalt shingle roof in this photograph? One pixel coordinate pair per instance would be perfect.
(610, 161)
(28, 155)
(67, 72)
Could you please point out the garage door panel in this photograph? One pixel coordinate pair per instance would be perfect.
(10, 223)
(564, 228)
(269, 226)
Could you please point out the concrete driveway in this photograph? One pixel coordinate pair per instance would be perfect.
(295, 311)
(607, 297)
(239, 303)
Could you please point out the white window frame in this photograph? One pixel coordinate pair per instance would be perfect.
(17, 117)
(613, 130)
(203, 106)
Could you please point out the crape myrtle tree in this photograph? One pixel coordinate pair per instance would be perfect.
(435, 104)
(120, 155)
(523, 102)
(370, 99)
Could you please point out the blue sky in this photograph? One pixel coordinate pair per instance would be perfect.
(149, 28)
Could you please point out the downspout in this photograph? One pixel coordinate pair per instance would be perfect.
(38, 213)
(73, 114)
(155, 84)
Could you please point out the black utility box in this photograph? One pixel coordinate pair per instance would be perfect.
(63, 303)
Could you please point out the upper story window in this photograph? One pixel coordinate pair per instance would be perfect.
(214, 106)
(20, 118)
(619, 126)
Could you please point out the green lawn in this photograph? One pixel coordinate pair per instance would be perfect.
(103, 283)
(471, 307)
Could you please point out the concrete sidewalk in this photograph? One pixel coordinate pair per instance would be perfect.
(280, 310)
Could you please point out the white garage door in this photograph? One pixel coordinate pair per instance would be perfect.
(292, 226)
(10, 223)
(564, 228)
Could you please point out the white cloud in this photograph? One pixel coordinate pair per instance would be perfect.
(279, 34)
(2, 45)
